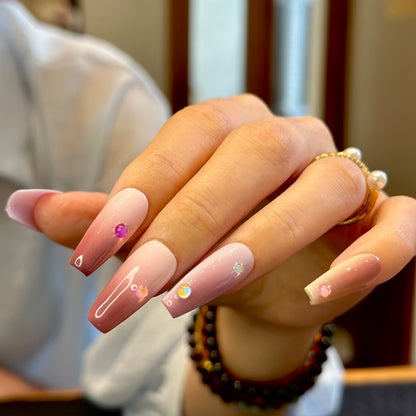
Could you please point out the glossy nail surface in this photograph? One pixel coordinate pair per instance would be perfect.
(21, 203)
(214, 276)
(141, 276)
(352, 275)
(115, 224)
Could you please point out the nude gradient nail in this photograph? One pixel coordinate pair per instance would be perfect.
(20, 205)
(350, 276)
(115, 224)
(141, 276)
(215, 275)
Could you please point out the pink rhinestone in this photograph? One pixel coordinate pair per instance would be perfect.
(120, 230)
(141, 292)
(324, 290)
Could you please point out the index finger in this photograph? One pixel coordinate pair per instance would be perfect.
(179, 150)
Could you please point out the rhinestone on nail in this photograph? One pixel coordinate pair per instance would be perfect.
(324, 290)
(141, 292)
(120, 230)
(184, 291)
(238, 268)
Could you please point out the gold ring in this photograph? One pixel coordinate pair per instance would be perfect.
(375, 180)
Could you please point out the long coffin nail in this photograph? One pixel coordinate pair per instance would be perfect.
(218, 273)
(352, 275)
(21, 203)
(115, 224)
(141, 276)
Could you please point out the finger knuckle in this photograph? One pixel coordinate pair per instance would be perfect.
(208, 116)
(162, 166)
(320, 128)
(252, 101)
(400, 236)
(272, 138)
(197, 211)
(291, 225)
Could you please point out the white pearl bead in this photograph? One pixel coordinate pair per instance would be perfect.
(377, 179)
(353, 152)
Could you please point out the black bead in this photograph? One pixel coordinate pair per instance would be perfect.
(209, 329)
(191, 341)
(225, 379)
(282, 394)
(196, 356)
(328, 329)
(252, 391)
(325, 342)
(321, 356)
(237, 387)
(316, 369)
(218, 368)
(214, 356)
(210, 316)
(211, 343)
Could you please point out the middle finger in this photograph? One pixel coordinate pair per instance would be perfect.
(252, 162)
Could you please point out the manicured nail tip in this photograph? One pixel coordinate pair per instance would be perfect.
(141, 276)
(214, 276)
(20, 205)
(355, 274)
(112, 228)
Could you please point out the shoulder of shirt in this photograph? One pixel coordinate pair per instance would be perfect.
(47, 42)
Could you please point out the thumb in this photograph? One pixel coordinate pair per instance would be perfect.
(62, 217)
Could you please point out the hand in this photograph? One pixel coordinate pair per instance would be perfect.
(228, 173)
(207, 170)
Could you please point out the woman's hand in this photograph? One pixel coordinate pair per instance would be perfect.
(228, 182)
(194, 191)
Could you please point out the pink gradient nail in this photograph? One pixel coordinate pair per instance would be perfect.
(112, 228)
(352, 275)
(21, 203)
(141, 276)
(214, 276)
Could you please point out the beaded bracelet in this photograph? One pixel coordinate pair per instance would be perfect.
(249, 394)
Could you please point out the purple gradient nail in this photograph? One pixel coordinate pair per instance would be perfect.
(20, 205)
(141, 276)
(112, 228)
(217, 274)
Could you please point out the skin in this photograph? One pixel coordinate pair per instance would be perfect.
(206, 171)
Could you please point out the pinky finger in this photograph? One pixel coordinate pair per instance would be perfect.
(375, 257)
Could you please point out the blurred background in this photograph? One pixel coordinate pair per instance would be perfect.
(350, 62)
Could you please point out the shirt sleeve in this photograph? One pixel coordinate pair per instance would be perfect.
(141, 367)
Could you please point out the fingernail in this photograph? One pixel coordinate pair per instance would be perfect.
(20, 205)
(353, 275)
(115, 224)
(218, 273)
(141, 276)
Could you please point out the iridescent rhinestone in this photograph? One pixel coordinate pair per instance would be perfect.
(141, 292)
(353, 152)
(184, 291)
(120, 230)
(324, 290)
(377, 179)
(238, 268)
